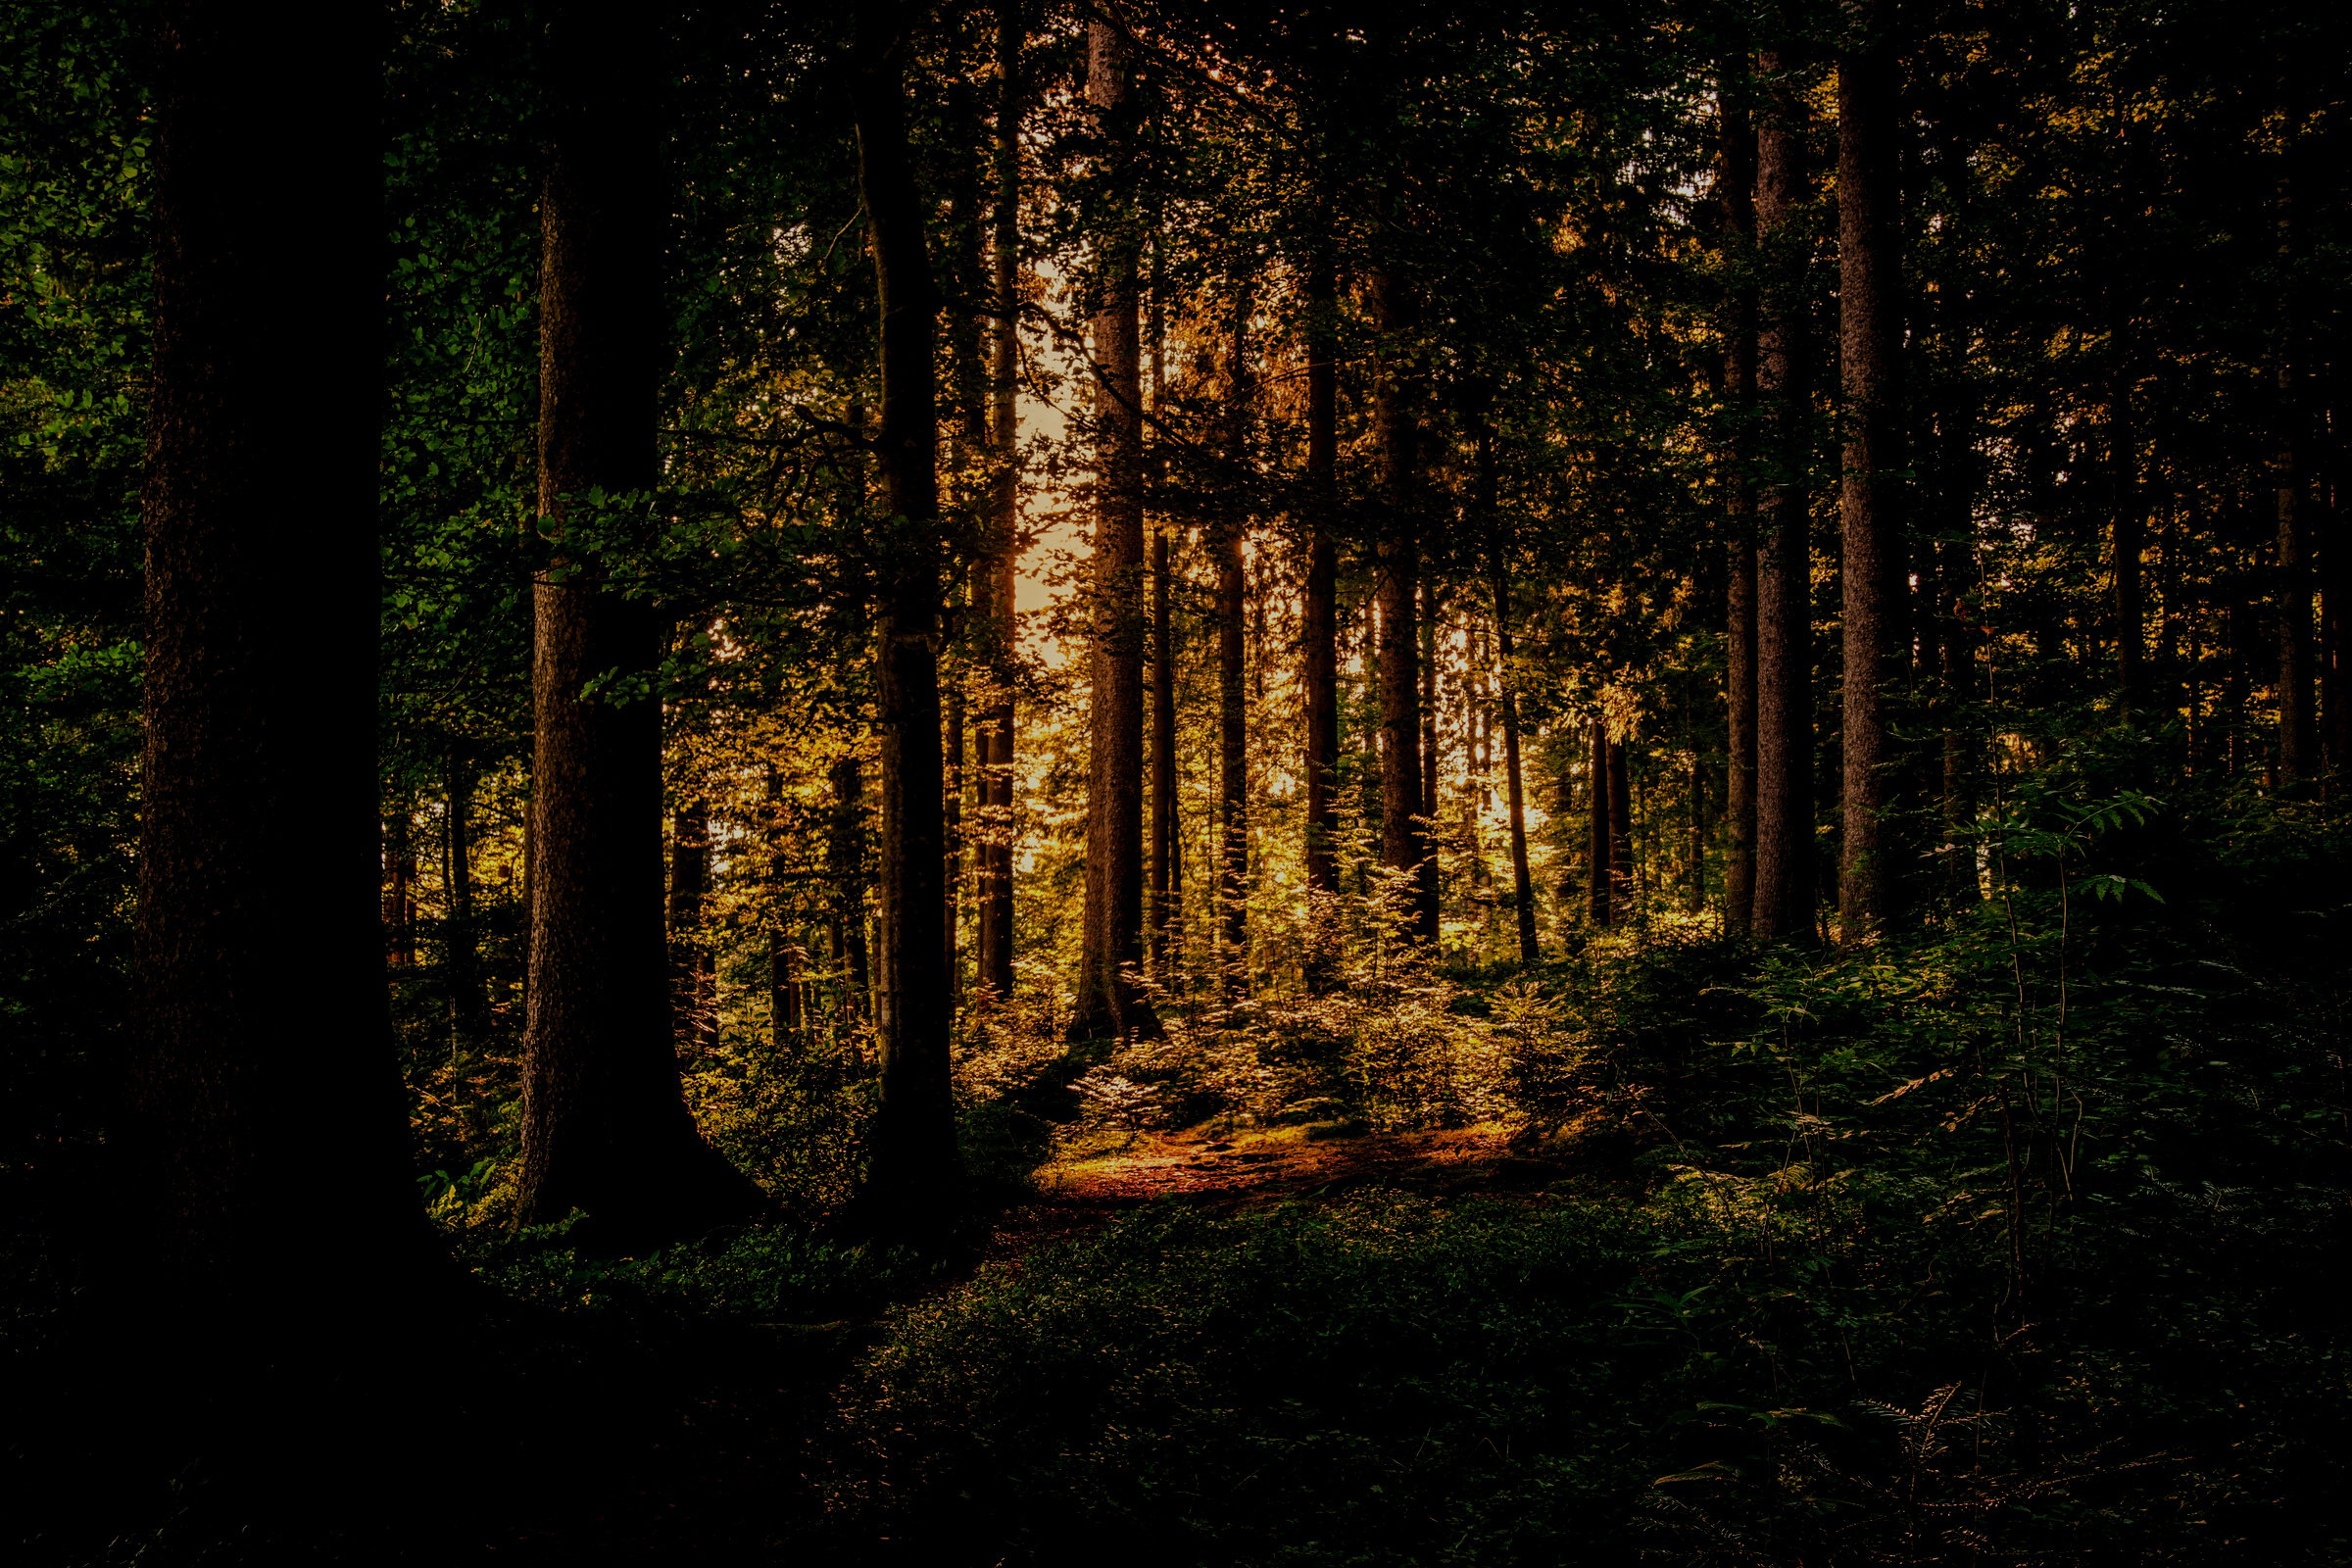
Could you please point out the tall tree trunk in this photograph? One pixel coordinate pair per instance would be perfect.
(1404, 842)
(1621, 832)
(697, 1020)
(1433, 610)
(1319, 657)
(2128, 543)
(845, 871)
(462, 939)
(1167, 857)
(1233, 728)
(952, 833)
(1523, 886)
(1739, 175)
(911, 1157)
(1870, 328)
(1695, 853)
(998, 572)
(1783, 895)
(2298, 735)
(400, 885)
(263, 1096)
(605, 1124)
(1599, 838)
(1107, 1002)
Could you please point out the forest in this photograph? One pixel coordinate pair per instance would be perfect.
(1029, 783)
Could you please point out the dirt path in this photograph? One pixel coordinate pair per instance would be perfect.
(1251, 1171)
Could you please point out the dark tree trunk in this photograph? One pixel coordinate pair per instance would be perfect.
(604, 1125)
(1233, 729)
(996, 571)
(1167, 858)
(1319, 657)
(1740, 388)
(2298, 735)
(952, 833)
(845, 871)
(1107, 1002)
(265, 1142)
(1600, 839)
(462, 941)
(1403, 841)
(2128, 543)
(400, 885)
(911, 1157)
(1783, 895)
(1695, 854)
(1621, 832)
(1870, 321)
(1433, 610)
(694, 1006)
(1522, 887)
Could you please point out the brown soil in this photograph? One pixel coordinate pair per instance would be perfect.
(1234, 1173)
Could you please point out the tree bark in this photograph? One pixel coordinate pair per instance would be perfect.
(1523, 886)
(1107, 1002)
(605, 1124)
(1600, 838)
(911, 1157)
(264, 1103)
(845, 871)
(1870, 331)
(1318, 629)
(2298, 734)
(1405, 841)
(1621, 832)
(1784, 892)
(462, 939)
(1167, 858)
(997, 570)
(693, 1007)
(1233, 729)
(1739, 174)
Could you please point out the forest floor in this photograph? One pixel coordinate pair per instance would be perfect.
(697, 1441)
(1237, 1172)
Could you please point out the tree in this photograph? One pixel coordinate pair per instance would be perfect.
(1405, 839)
(911, 1153)
(605, 1124)
(996, 573)
(1107, 1002)
(1870, 333)
(1736, 174)
(1784, 895)
(267, 1136)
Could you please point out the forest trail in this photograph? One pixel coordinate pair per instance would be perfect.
(1238, 1172)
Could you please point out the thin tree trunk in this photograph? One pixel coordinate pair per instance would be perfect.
(2127, 542)
(952, 831)
(1107, 1002)
(265, 1142)
(845, 871)
(1621, 832)
(1695, 786)
(605, 1124)
(999, 570)
(911, 1157)
(1783, 894)
(1740, 377)
(1404, 844)
(1600, 839)
(696, 1021)
(1523, 886)
(2298, 736)
(400, 890)
(462, 941)
(1319, 657)
(1233, 729)
(1869, 294)
(1167, 860)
